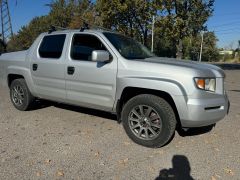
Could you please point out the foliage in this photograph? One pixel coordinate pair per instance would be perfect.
(84, 11)
(132, 18)
(177, 27)
(164, 46)
(192, 47)
(28, 34)
(62, 13)
(183, 18)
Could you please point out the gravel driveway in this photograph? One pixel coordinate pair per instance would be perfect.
(56, 141)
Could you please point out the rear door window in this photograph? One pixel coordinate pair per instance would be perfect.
(52, 46)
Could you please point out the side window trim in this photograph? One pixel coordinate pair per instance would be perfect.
(41, 41)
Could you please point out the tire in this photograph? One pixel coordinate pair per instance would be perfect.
(150, 116)
(20, 95)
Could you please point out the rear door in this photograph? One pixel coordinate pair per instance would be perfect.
(88, 83)
(47, 67)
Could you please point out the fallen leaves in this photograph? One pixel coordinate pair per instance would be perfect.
(60, 173)
(126, 143)
(215, 135)
(124, 161)
(97, 154)
(89, 131)
(47, 161)
(16, 157)
(102, 164)
(39, 174)
(159, 152)
(152, 169)
(213, 178)
(229, 171)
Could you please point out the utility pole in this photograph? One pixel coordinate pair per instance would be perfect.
(201, 48)
(153, 24)
(7, 31)
(238, 50)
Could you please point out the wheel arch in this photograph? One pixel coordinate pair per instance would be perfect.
(130, 92)
(12, 77)
(14, 72)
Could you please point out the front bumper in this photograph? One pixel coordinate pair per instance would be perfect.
(204, 112)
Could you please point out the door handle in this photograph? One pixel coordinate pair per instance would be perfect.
(34, 67)
(70, 70)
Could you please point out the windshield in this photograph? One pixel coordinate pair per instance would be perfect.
(128, 47)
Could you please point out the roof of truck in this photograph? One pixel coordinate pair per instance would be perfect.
(77, 30)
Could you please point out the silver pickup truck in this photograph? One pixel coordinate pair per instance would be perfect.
(104, 70)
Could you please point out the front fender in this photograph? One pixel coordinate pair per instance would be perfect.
(170, 86)
(173, 88)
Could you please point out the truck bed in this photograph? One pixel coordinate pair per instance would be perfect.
(11, 59)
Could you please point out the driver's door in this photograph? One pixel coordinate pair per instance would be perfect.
(89, 83)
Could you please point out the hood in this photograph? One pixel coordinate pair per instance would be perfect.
(202, 68)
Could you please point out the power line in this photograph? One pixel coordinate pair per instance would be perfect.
(227, 34)
(232, 19)
(227, 20)
(225, 14)
(226, 24)
(230, 29)
(236, 31)
(225, 30)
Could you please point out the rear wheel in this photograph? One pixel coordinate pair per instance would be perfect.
(149, 120)
(20, 95)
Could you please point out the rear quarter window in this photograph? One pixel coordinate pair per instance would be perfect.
(52, 46)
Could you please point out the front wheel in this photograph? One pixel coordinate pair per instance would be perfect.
(149, 120)
(20, 95)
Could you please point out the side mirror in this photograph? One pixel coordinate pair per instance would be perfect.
(100, 56)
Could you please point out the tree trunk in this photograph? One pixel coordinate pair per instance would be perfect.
(145, 37)
(179, 46)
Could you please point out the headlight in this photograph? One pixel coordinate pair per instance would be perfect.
(207, 84)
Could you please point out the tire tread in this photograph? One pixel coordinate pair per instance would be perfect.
(159, 102)
(29, 96)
